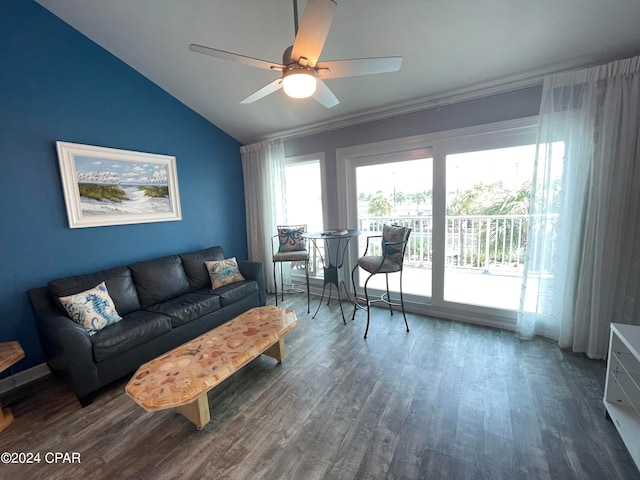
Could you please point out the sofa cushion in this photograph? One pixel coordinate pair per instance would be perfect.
(224, 272)
(193, 263)
(236, 291)
(159, 280)
(187, 307)
(133, 331)
(118, 281)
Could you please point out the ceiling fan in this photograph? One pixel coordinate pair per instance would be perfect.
(302, 74)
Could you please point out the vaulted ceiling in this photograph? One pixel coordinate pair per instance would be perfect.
(450, 48)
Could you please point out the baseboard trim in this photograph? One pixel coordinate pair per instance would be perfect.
(503, 322)
(22, 378)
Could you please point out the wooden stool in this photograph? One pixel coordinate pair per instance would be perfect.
(10, 353)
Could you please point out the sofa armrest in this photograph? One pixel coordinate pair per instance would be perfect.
(66, 344)
(254, 271)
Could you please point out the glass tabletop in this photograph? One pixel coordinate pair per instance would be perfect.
(329, 234)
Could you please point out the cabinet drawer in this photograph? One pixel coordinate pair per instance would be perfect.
(628, 391)
(622, 388)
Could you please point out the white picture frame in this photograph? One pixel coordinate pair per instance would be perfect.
(106, 186)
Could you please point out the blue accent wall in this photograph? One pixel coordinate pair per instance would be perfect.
(56, 84)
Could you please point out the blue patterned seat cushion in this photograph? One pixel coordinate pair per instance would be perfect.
(93, 309)
(298, 256)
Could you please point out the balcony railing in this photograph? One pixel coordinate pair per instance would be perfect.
(483, 242)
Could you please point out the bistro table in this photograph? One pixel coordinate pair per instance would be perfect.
(336, 242)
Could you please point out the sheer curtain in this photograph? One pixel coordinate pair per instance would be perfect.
(582, 269)
(264, 191)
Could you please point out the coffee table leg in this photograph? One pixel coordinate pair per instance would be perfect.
(276, 350)
(197, 411)
(6, 417)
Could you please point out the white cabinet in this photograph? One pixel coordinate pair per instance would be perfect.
(622, 387)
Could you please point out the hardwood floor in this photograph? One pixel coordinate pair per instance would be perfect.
(445, 401)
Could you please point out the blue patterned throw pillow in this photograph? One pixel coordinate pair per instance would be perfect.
(92, 309)
(291, 240)
(393, 234)
(224, 272)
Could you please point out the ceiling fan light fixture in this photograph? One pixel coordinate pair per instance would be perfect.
(299, 83)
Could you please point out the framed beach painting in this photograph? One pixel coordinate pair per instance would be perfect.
(104, 186)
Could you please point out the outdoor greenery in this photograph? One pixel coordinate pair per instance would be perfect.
(481, 199)
(492, 199)
(102, 192)
(381, 205)
(507, 236)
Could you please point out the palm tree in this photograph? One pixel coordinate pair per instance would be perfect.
(380, 206)
(400, 197)
(494, 199)
(419, 198)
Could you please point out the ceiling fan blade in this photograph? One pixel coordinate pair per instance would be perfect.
(358, 66)
(313, 31)
(324, 95)
(264, 91)
(234, 57)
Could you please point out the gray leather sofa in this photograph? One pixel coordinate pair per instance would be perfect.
(163, 303)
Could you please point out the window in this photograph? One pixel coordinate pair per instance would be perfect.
(303, 183)
(397, 190)
(304, 180)
(487, 214)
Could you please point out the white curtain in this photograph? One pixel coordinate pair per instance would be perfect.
(582, 269)
(264, 191)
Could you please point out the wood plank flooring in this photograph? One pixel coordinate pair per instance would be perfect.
(446, 401)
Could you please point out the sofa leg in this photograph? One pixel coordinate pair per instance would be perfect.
(85, 400)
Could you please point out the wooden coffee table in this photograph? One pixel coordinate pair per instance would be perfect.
(181, 378)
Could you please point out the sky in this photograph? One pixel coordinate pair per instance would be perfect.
(120, 172)
(410, 176)
(512, 166)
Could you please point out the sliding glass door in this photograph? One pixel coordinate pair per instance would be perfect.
(465, 196)
(487, 212)
(398, 192)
